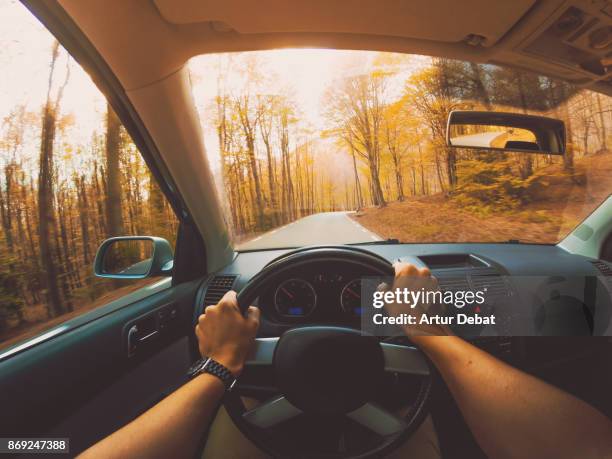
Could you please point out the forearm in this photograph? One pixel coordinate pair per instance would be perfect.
(513, 414)
(172, 428)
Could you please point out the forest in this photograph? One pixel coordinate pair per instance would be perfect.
(382, 146)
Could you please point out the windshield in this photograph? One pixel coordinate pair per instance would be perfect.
(339, 147)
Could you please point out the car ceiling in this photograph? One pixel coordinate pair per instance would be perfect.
(146, 40)
(397, 18)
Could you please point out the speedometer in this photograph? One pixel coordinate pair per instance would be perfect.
(350, 298)
(295, 298)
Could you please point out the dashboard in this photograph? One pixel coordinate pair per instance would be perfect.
(535, 280)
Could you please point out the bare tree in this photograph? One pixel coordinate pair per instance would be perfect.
(45, 187)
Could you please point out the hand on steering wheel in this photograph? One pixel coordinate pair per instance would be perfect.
(225, 334)
(409, 277)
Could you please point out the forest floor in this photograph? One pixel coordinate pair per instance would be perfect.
(560, 204)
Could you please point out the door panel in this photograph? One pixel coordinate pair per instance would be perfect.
(134, 392)
(82, 382)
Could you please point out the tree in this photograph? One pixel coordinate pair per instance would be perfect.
(432, 95)
(267, 109)
(285, 119)
(394, 134)
(114, 215)
(480, 89)
(356, 110)
(249, 119)
(45, 187)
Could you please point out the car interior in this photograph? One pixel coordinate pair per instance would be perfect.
(86, 377)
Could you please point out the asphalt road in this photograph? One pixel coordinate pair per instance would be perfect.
(323, 228)
(476, 140)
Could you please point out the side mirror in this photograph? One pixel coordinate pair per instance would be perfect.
(505, 132)
(133, 257)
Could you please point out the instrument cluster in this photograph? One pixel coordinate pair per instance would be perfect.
(324, 294)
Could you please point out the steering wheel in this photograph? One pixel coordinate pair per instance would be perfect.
(327, 372)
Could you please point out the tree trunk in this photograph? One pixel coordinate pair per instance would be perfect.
(45, 198)
(358, 195)
(602, 121)
(114, 219)
(422, 170)
(6, 206)
(526, 160)
(271, 181)
(451, 166)
(399, 180)
(377, 193)
(481, 91)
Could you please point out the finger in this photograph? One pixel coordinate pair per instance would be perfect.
(398, 265)
(198, 332)
(424, 272)
(253, 314)
(405, 269)
(229, 300)
(433, 281)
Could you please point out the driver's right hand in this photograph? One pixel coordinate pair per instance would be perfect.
(408, 276)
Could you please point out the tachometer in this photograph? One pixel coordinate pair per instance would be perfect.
(350, 298)
(295, 298)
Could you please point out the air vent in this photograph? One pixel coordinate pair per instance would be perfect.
(217, 287)
(494, 285)
(453, 284)
(603, 267)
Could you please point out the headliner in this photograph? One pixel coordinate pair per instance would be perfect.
(146, 40)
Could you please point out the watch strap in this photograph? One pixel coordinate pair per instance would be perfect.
(211, 366)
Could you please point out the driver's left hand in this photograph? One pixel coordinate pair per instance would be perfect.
(225, 335)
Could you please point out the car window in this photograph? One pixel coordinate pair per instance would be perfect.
(70, 177)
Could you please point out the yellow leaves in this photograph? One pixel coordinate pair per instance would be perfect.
(66, 121)
(67, 152)
(390, 60)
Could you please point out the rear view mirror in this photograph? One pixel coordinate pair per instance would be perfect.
(133, 257)
(505, 132)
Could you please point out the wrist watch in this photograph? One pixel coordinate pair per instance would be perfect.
(211, 366)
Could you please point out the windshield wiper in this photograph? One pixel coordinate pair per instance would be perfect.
(381, 242)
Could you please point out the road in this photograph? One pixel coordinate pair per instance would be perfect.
(476, 140)
(323, 228)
